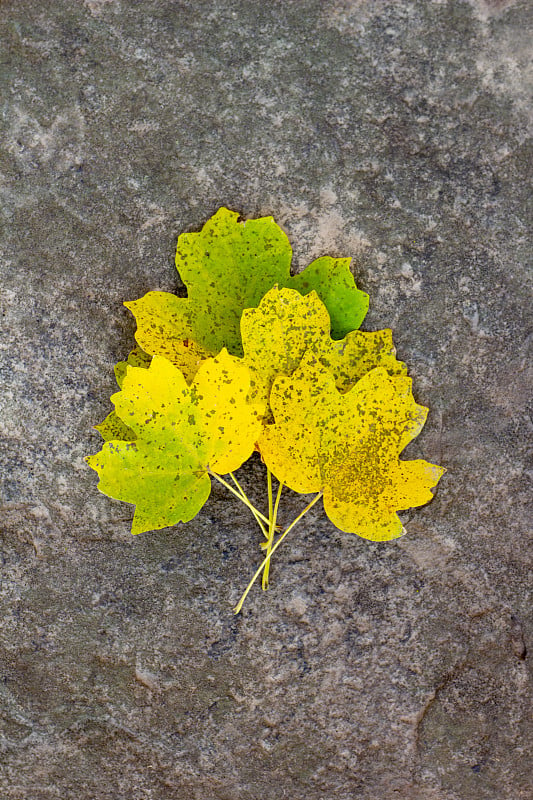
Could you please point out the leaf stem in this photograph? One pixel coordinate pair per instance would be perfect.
(270, 506)
(254, 511)
(242, 498)
(273, 514)
(275, 547)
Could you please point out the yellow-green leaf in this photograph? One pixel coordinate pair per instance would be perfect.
(137, 358)
(285, 326)
(348, 445)
(164, 329)
(182, 431)
(112, 427)
(229, 266)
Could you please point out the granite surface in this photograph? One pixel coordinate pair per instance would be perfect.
(396, 132)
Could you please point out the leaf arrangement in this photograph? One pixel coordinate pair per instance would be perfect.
(255, 358)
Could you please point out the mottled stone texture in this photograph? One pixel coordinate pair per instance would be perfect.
(394, 131)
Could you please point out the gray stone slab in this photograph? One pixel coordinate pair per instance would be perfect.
(396, 132)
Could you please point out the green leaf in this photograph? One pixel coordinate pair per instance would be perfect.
(229, 266)
(285, 326)
(347, 446)
(333, 282)
(181, 432)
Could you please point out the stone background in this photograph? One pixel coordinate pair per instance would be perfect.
(396, 132)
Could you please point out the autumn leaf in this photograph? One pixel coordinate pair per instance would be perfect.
(229, 266)
(348, 445)
(285, 326)
(113, 427)
(137, 358)
(182, 432)
(333, 282)
(164, 329)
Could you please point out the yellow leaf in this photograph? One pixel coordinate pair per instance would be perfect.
(163, 328)
(137, 358)
(112, 427)
(285, 326)
(220, 392)
(348, 445)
